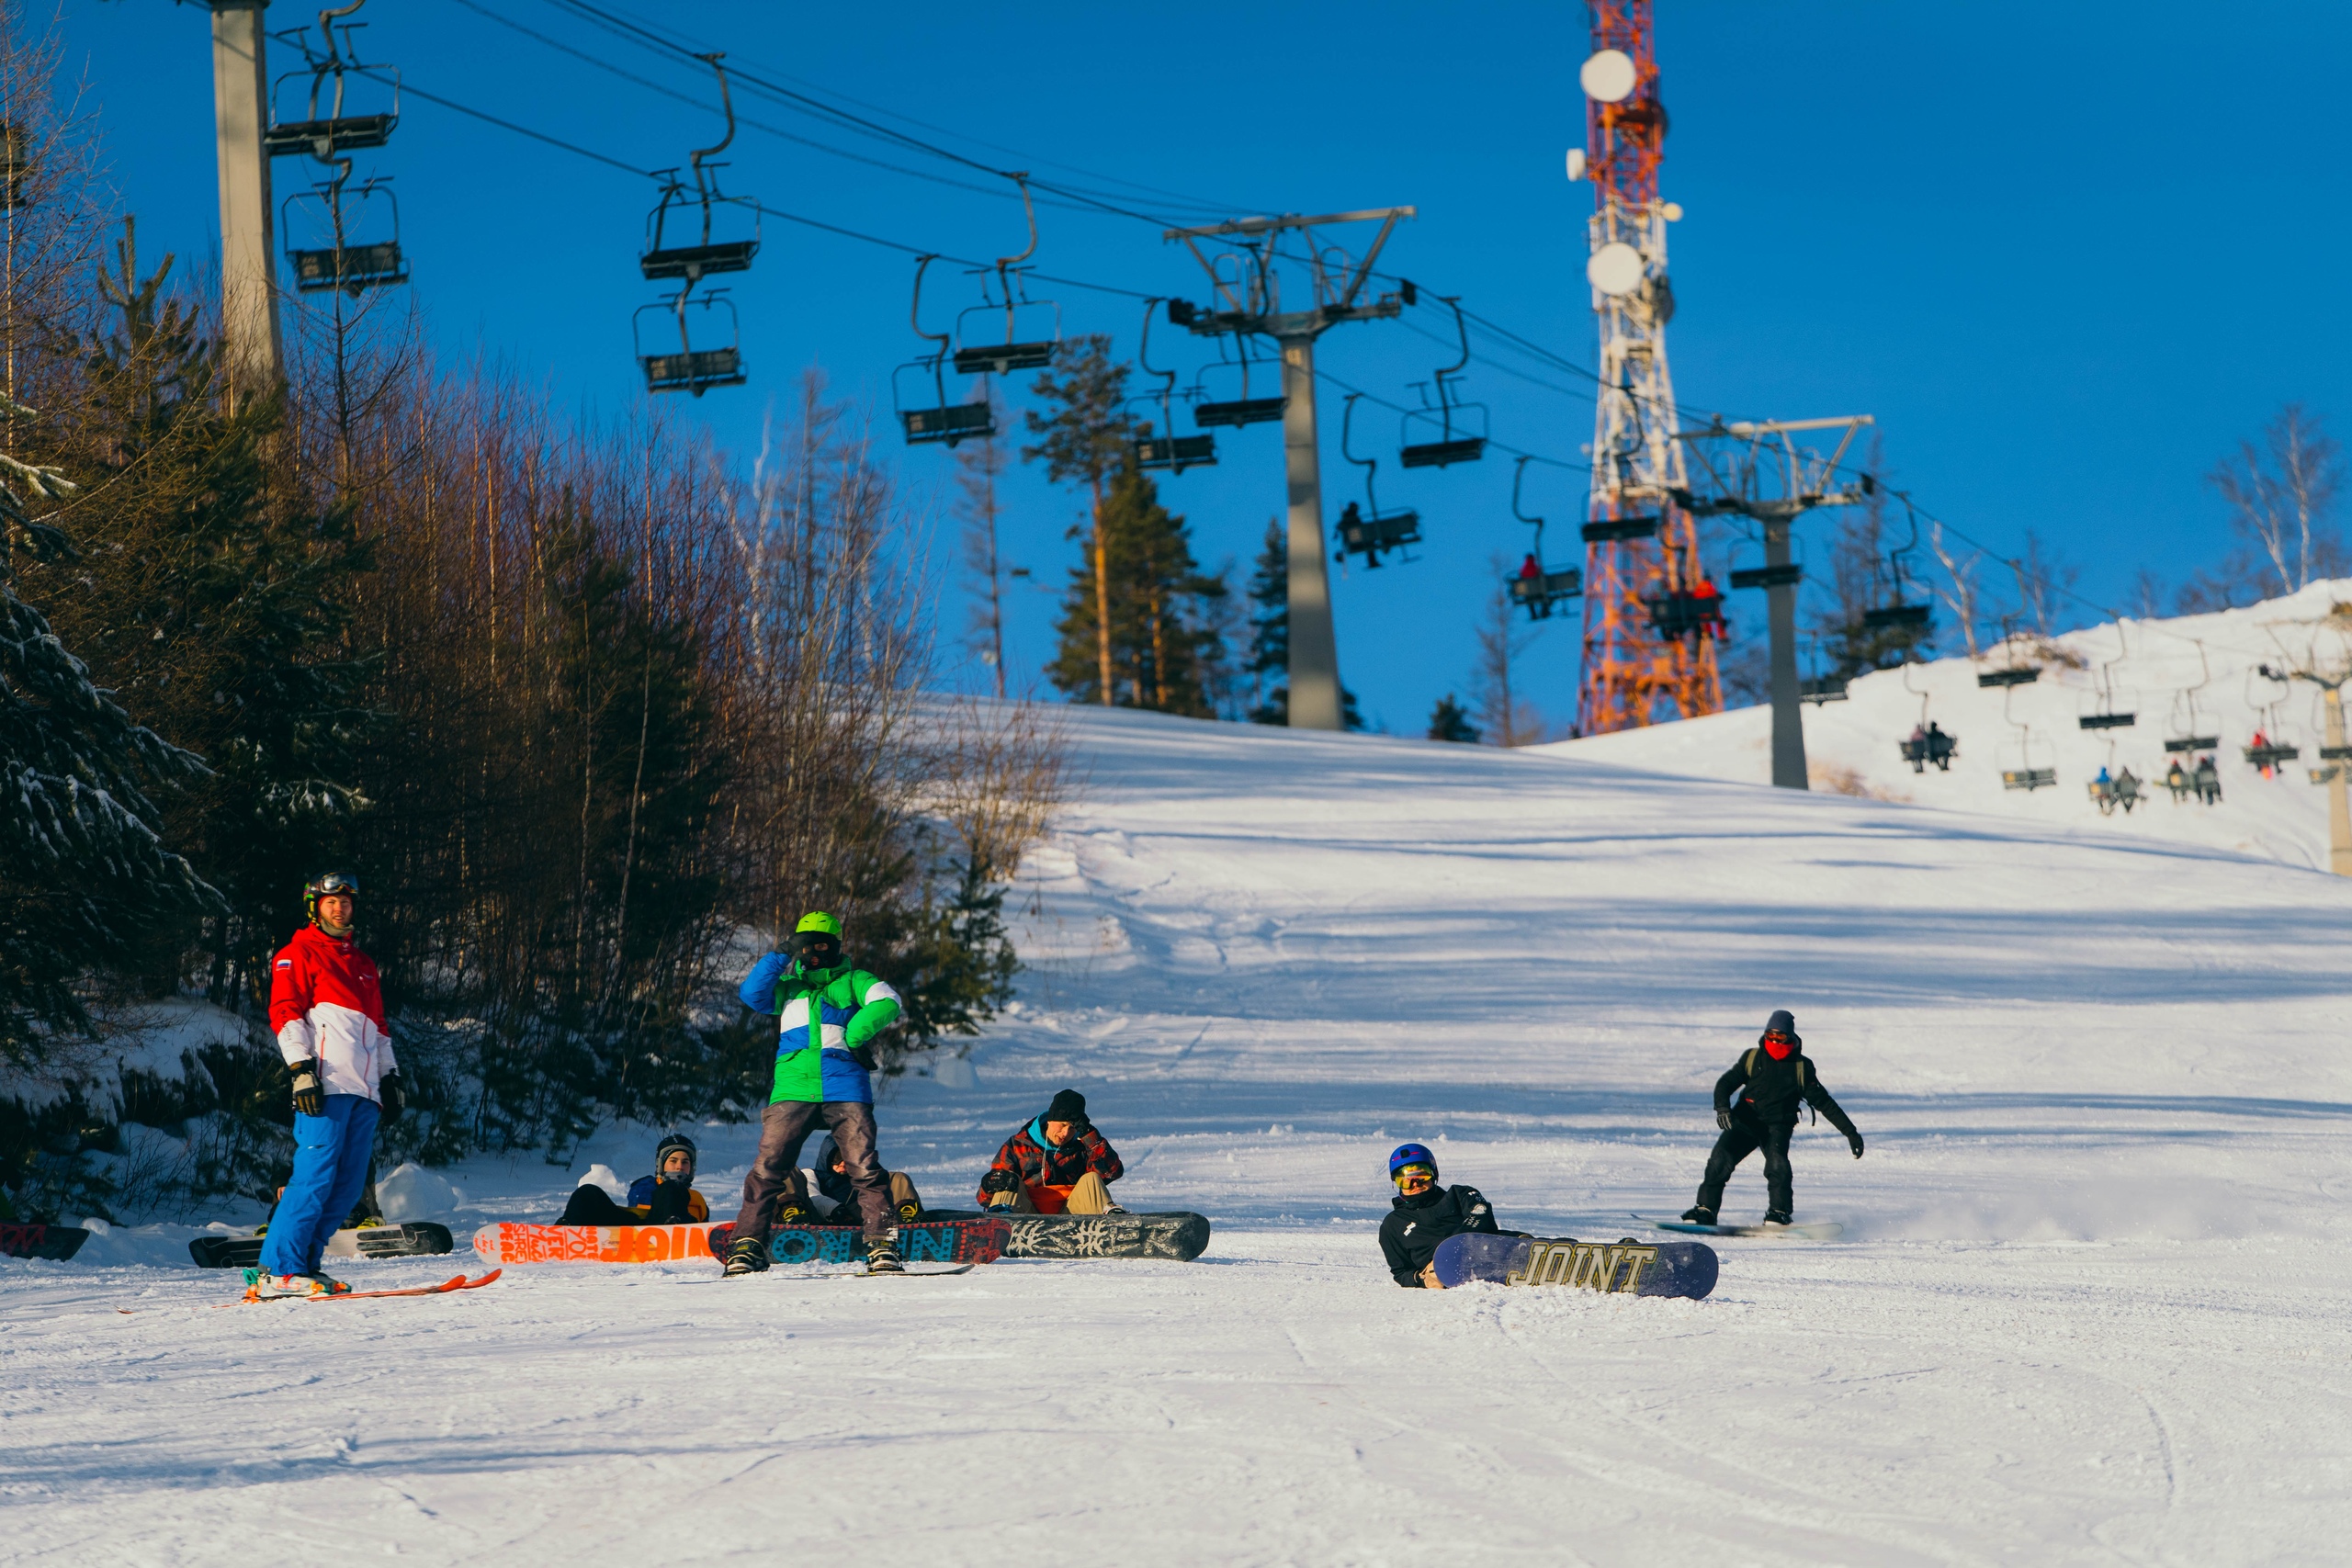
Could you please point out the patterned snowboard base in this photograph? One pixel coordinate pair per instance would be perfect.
(56, 1243)
(1626, 1267)
(1177, 1236)
(926, 1241)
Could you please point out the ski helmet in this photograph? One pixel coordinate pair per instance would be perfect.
(325, 884)
(1412, 1155)
(676, 1141)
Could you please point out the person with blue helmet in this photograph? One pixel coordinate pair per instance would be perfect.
(1423, 1213)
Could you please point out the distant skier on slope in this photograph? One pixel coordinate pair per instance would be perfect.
(828, 1014)
(326, 1003)
(1423, 1213)
(1058, 1164)
(665, 1197)
(1777, 1075)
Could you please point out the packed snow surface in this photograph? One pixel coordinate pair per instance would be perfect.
(2089, 1306)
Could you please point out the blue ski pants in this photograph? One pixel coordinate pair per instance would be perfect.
(330, 1154)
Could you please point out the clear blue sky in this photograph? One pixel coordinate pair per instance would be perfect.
(2066, 255)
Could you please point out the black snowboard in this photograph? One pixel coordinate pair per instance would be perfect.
(1177, 1236)
(419, 1240)
(57, 1243)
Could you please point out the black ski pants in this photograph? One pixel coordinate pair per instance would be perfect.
(784, 1127)
(1739, 1140)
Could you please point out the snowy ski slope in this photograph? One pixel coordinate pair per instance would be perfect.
(2192, 675)
(2089, 1310)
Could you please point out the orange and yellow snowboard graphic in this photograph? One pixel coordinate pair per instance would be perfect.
(505, 1244)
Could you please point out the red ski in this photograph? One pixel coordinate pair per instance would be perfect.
(458, 1283)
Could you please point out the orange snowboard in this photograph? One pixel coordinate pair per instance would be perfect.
(505, 1244)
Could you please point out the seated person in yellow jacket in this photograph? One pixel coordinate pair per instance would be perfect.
(665, 1197)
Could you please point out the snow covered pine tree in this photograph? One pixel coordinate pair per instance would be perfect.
(80, 866)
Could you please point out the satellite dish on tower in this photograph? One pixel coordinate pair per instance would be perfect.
(1615, 269)
(1608, 76)
(1576, 163)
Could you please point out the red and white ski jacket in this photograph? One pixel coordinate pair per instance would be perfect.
(327, 1005)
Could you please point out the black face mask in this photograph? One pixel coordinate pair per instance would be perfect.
(823, 954)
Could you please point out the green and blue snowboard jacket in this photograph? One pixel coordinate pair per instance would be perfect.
(848, 1006)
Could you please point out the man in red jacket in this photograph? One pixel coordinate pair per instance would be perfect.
(326, 1004)
(1056, 1164)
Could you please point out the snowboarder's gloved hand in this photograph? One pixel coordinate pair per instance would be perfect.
(1723, 1121)
(308, 1099)
(1856, 1140)
(393, 1096)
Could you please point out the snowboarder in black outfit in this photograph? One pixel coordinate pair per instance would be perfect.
(1777, 1075)
(1423, 1213)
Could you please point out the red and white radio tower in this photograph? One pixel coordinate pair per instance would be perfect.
(1651, 616)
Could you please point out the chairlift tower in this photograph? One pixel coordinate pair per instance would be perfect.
(1757, 471)
(1641, 548)
(2336, 756)
(248, 246)
(1248, 302)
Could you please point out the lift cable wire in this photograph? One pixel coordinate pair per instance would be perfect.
(612, 20)
(746, 121)
(1522, 345)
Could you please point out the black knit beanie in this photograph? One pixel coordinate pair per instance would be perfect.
(1068, 1106)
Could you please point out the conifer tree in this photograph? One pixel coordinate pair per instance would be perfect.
(1450, 721)
(1161, 629)
(219, 608)
(1085, 437)
(82, 869)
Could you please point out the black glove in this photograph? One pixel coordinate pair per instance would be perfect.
(1855, 1140)
(673, 1203)
(998, 1181)
(391, 1096)
(1722, 1120)
(309, 1098)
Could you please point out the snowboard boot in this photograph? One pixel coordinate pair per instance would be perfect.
(1699, 1216)
(908, 1212)
(798, 1214)
(263, 1286)
(1777, 1219)
(882, 1257)
(747, 1256)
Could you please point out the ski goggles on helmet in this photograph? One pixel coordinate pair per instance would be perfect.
(334, 883)
(1414, 1172)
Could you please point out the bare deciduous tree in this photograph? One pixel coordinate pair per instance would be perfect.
(1507, 718)
(2280, 496)
(1958, 590)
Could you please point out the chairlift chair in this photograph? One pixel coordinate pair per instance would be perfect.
(1371, 535)
(2025, 775)
(1928, 742)
(1899, 613)
(974, 357)
(1696, 611)
(2019, 673)
(2265, 752)
(2192, 741)
(705, 252)
(1210, 413)
(1166, 450)
(939, 420)
(1536, 588)
(338, 130)
(1611, 530)
(333, 211)
(1451, 440)
(690, 368)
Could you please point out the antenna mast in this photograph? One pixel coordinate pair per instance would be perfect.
(1642, 663)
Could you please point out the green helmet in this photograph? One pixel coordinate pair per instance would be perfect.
(818, 920)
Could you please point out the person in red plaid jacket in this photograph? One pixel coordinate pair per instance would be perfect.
(1056, 1164)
